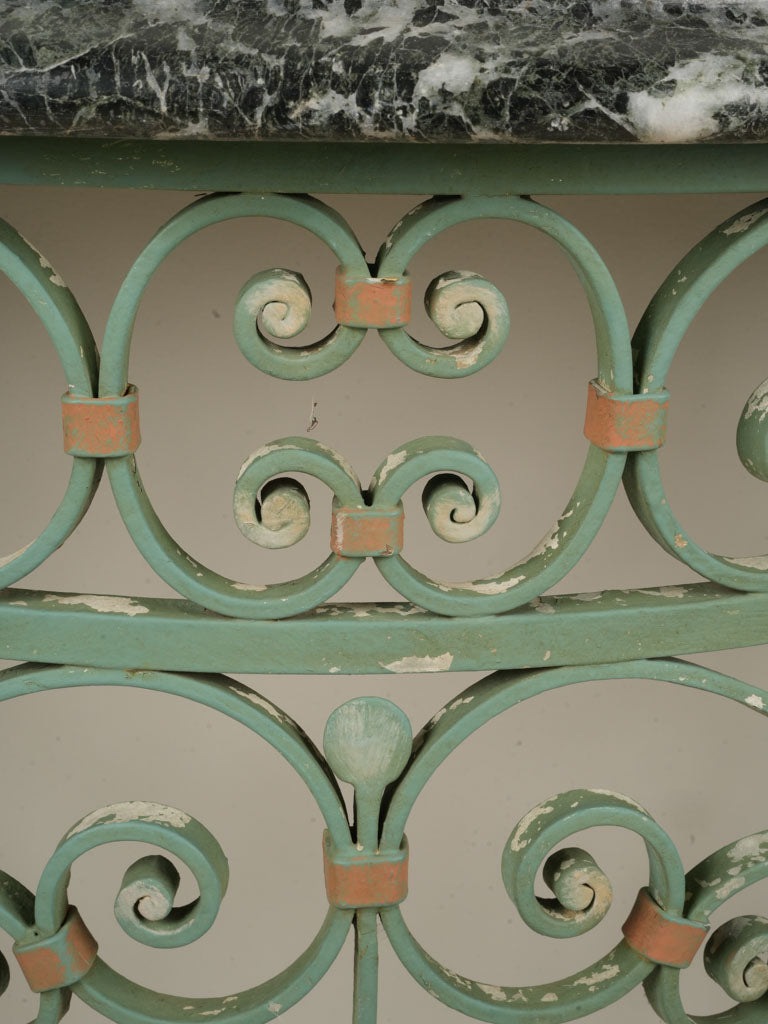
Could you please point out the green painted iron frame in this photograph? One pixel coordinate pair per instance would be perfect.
(490, 624)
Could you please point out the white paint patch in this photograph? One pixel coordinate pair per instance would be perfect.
(751, 849)
(496, 992)
(393, 461)
(550, 997)
(750, 561)
(494, 586)
(427, 663)
(274, 1007)
(542, 606)
(133, 810)
(457, 978)
(517, 842)
(7, 559)
(547, 655)
(18, 604)
(254, 587)
(730, 887)
(665, 591)
(746, 220)
(755, 701)
(620, 796)
(604, 974)
(260, 702)
(101, 603)
(592, 595)
(548, 543)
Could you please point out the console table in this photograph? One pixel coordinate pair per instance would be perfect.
(255, 106)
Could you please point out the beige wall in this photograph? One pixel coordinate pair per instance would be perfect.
(691, 759)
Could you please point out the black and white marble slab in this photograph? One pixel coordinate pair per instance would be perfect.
(421, 70)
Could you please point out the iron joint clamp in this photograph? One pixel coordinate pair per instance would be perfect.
(661, 937)
(364, 532)
(625, 423)
(103, 428)
(59, 960)
(377, 302)
(354, 880)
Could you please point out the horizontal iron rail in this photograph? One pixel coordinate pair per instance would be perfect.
(386, 167)
(577, 629)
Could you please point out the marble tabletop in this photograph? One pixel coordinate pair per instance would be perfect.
(421, 70)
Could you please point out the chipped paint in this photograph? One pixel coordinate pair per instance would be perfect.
(132, 810)
(749, 561)
(620, 797)
(744, 222)
(425, 663)
(259, 702)
(394, 460)
(550, 997)
(517, 842)
(676, 592)
(496, 992)
(756, 701)
(255, 587)
(599, 976)
(680, 541)
(7, 559)
(274, 1007)
(730, 887)
(101, 603)
(494, 585)
(457, 978)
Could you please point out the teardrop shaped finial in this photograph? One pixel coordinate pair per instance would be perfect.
(368, 741)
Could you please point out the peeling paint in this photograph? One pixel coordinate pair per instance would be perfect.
(393, 461)
(7, 559)
(517, 842)
(745, 221)
(133, 810)
(101, 603)
(600, 975)
(756, 701)
(254, 587)
(496, 992)
(427, 663)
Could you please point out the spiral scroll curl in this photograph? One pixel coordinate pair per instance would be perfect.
(656, 341)
(144, 904)
(281, 302)
(582, 892)
(59, 313)
(734, 956)
(466, 308)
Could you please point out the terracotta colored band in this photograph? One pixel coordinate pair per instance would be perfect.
(625, 423)
(62, 959)
(360, 532)
(660, 937)
(366, 880)
(101, 427)
(372, 301)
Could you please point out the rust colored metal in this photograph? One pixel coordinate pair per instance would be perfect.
(372, 301)
(365, 879)
(360, 532)
(660, 937)
(61, 959)
(101, 427)
(625, 423)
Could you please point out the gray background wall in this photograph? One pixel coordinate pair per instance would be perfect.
(691, 759)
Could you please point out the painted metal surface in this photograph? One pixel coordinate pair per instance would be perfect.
(385, 167)
(101, 428)
(505, 622)
(660, 937)
(627, 424)
(59, 960)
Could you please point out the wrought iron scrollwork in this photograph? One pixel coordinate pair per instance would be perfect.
(368, 743)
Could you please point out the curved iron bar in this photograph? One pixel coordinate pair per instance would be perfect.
(543, 828)
(56, 308)
(104, 989)
(656, 341)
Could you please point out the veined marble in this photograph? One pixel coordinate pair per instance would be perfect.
(422, 70)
